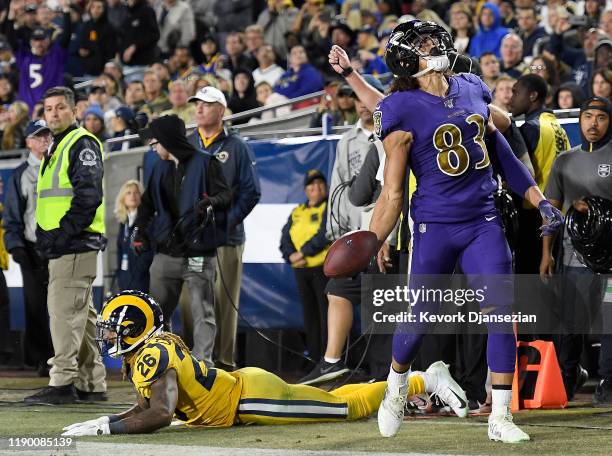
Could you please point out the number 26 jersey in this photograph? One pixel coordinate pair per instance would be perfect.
(206, 396)
(448, 156)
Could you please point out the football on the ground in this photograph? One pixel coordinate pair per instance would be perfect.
(350, 254)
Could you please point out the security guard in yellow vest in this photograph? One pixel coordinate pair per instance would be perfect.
(304, 246)
(70, 232)
(545, 139)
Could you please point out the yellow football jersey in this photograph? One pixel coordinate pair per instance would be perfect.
(206, 396)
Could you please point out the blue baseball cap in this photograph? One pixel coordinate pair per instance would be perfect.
(36, 127)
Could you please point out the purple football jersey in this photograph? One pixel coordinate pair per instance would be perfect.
(448, 156)
(39, 73)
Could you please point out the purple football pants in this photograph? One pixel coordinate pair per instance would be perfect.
(479, 247)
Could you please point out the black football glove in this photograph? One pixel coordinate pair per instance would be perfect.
(202, 205)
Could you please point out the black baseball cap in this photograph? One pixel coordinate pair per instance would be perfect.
(39, 33)
(35, 127)
(313, 174)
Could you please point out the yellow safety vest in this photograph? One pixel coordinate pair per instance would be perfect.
(305, 222)
(54, 188)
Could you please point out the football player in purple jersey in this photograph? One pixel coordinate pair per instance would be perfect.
(437, 125)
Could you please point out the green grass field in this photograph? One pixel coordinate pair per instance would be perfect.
(580, 429)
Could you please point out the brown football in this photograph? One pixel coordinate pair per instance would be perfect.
(350, 254)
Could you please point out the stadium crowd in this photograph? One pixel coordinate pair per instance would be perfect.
(132, 63)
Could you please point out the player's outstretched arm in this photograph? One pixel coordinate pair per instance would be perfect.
(341, 64)
(389, 204)
(164, 396)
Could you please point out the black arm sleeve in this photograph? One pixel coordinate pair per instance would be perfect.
(286, 244)
(361, 192)
(319, 241)
(146, 211)
(219, 192)
(85, 172)
(64, 40)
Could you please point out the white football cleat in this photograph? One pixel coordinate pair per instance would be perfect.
(503, 429)
(391, 411)
(448, 389)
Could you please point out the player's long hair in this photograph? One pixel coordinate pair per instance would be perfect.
(403, 84)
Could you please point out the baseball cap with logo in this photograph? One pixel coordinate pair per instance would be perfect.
(209, 94)
(36, 127)
(39, 33)
(313, 174)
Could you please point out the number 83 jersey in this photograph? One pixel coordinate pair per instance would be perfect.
(448, 157)
(206, 396)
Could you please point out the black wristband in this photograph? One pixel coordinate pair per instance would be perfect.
(346, 71)
(118, 427)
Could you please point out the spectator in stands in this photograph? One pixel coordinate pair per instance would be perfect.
(512, 56)
(138, 37)
(568, 96)
(301, 77)
(132, 271)
(124, 123)
(462, 29)
(342, 35)
(98, 96)
(179, 97)
(8, 64)
(117, 12)
(338, 102)
(93, 122)
(603, 55)
(20, 239)
(236, 57)
(605, 22)
(601, 84)
(114, 68)
(213, 60)
(529, 31)
(343, 294)
(545, 139)
(176, 25)
(98, 43)
(155, 97)
(81, 101)
(135, 97)
(7, 94)
(592, 12)
(309, 9)
(25, 18)
(490, 69)
(266, 96)
(267, 70)
(182, 62)
(506, 9)
(44, 19)
(317, 40)
(14, 135)
(238, 165)
(178, 259)
(372, 61)
(37, 111)
(276, 20)
(545, 68)
(41, 63)
(304, 246)
(253, 39)
(243, 97)
(112, 86)
(579, 59)
(491, 32)
(574, 176)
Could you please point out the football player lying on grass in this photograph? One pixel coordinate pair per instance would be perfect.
(172, 383)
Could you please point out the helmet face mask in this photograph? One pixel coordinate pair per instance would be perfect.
(417, 39)
(128, 319)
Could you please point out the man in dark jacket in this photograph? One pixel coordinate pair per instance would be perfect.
(20, 239)
(183, 208)
(70, 232)
(139, 36)
(239, 169)
(98, 42)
